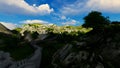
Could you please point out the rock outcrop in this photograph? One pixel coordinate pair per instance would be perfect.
(96, 50)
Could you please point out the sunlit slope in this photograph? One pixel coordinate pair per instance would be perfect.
(3, 29)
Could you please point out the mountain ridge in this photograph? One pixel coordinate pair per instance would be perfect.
(4, 29)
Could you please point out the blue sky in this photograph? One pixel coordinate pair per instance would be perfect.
(60, 12)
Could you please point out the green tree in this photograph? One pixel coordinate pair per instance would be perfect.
(115, 22)
(95, 20)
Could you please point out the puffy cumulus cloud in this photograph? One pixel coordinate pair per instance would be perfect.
(34, 21)
(85, 6)
(70, 22)
(9, 25)
(22, 7)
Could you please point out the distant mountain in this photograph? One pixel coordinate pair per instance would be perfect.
(3, 29)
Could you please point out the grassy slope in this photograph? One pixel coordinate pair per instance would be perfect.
(12, 44)
(18, 53)
(9, 42)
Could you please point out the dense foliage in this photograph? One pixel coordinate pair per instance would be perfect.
(17, 47)
(95, 20)
(46, 29)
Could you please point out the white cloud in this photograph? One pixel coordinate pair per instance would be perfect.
(59, 17)
(22, 7)
(34, 5)
(63, 17)
(71, 22)
(104, 5)
(9, 25)
(85, 6)
(34, 21)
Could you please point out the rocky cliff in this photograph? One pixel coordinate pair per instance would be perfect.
(97, 49)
